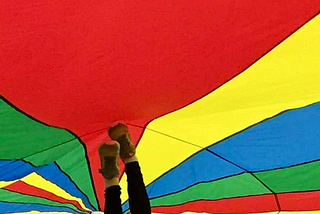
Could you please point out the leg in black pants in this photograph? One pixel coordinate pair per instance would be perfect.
(113, 201)
(109, 152)
(138, 198)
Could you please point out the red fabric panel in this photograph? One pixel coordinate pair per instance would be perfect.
(251, 204)
(27, 189)
(82, 65)
(295, 201)
(303, 201)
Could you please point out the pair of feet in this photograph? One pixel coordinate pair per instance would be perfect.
(110, 151)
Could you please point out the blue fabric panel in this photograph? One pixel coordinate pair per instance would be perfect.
(202, 167)
(288, 139)
(125, 206)
(12, 170)
(16, 169)
(7, 207)
(54, 174)
(4, 162)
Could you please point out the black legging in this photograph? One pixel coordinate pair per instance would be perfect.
(138, 198)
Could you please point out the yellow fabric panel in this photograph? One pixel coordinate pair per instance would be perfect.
(288, 77)
(5, 183)
(174, 152)
(124, 187)
(36, 180)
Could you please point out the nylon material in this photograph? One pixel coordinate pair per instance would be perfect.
(300, 201)
(71, 158)
(60, 59)
(4, 162)
(26, 189)
(18, 131)
(302, 212)
(21, 136)
(248, 98)
(200, 168)
(6, 207)
(183, 213)
(253, 204)
(294, 202)
(5, 183)
(290, 179)
(38, 212)
(50, 173)
(15, 170)
(76, 166)
(236, 186)
(37, 181)
(99, 41)
(262, 146)
(62, 181)
(8, 196)
(297, 178)
(54, 153)
(258, 93)
(255, 145)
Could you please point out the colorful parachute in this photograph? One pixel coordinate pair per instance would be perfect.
(221, 97)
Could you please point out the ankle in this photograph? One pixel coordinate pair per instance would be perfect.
(131, 159)
(111, 182)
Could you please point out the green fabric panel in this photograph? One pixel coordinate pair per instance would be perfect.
(52, 154)
(235, 186)
(21, 137)
(8, 196)
(71, 159)
(296, 178)
(74, 163)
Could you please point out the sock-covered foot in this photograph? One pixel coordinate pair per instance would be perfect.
(119, 132)
(109, 155)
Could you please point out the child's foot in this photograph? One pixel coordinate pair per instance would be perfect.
(119, 132)
(109, 155)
